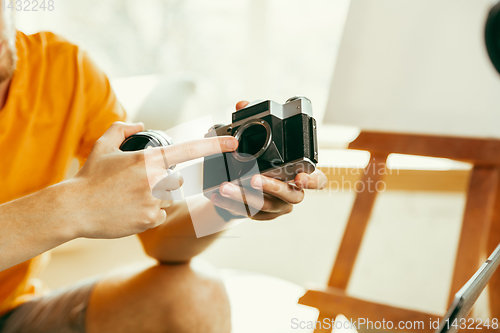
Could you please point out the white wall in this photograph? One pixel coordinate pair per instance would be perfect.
(416, 66)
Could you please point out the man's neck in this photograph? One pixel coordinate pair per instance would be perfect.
(4, 92)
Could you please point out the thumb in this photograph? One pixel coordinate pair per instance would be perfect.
(118, 132)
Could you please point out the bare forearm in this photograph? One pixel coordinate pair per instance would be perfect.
(33, 224)
(175, 241)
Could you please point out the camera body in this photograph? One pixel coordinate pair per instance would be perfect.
(275, 140)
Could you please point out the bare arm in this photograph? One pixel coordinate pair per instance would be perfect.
(34, 224)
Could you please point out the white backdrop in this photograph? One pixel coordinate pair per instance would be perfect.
(416, 66)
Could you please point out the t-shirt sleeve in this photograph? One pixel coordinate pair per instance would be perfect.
(101, 106)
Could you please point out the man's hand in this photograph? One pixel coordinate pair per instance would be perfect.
(279, 197)
(113, 188)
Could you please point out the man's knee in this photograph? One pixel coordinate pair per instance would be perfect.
(193, 298)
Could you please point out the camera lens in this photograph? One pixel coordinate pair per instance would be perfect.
(138, 143)
(142, 140)
(254, 138)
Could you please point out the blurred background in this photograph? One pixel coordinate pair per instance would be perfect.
(246, 49)
(171, 61)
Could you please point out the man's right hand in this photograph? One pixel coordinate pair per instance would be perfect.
(111, 197)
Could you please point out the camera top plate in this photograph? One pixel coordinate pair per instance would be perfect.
(293, 106)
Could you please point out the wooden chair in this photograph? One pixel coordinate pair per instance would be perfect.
(479, 236)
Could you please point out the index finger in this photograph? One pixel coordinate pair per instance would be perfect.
(191, 150)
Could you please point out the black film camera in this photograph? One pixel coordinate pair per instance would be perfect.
(275, 140)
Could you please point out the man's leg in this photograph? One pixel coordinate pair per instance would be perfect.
(160, 298)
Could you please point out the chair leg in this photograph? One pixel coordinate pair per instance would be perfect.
(358, 220)
(493, 241)
(477, 219)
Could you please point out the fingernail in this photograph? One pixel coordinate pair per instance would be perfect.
(259, 182)
(227, 190)
(232, 143)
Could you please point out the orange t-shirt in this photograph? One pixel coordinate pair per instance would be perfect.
(59, 103)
